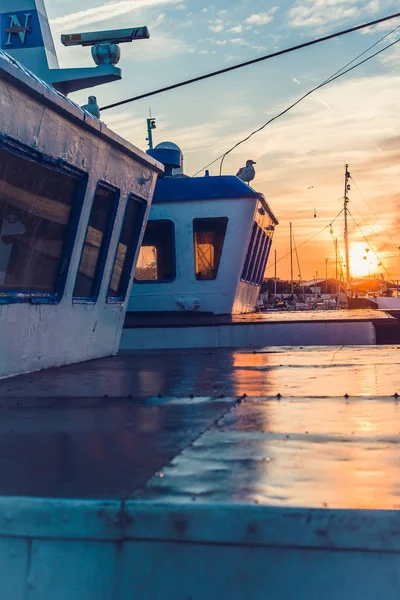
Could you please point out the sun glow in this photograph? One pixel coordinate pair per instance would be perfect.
(363, 262)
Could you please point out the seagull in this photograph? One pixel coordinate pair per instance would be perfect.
(247, 173)
(92, 107)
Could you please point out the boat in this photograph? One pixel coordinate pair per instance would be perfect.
(200, 472)
(75, 198)
(200, 269)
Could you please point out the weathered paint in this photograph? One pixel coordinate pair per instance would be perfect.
(39, 336)
(35, 48)
(225, 551)
(226, 294)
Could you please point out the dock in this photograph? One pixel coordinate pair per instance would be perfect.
(203, 474)
(282, 328)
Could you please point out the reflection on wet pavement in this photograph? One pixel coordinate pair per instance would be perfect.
(311, 452)
(322, 371)
(282, 426)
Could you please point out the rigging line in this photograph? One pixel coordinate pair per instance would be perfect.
(373, 212)
(324, 83)
(310, 238)
(371, 248)
(252, 61)
(374, 232)
(297, 257)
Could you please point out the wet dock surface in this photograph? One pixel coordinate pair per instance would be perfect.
(278, 426)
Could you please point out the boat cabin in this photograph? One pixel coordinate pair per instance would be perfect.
(206, 244)
(74, 201)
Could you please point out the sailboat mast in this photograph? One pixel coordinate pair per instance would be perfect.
(346, 231)
(291, 259)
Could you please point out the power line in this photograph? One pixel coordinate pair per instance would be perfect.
(337, 75)
(251, 62)
(324, 83)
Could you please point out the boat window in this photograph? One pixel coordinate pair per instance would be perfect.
(95, 249)
(257, 256)
(209, 237)
(127, 246)
(37, 228)
(156, 262)
(249, 254)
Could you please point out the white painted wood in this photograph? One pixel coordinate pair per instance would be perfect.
(224, 295)
(40, 336)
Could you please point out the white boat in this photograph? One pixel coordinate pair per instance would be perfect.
(75, 198)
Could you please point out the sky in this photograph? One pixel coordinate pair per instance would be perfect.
(300, 157)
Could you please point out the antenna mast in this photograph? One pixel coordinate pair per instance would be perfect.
(346, 231)
(291, 259)
(151, 124)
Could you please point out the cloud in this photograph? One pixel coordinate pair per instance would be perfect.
(317, 13)
(374, 6)
(236, 29)
(216, 26)
(163, 46)
(296, 81)
(105, 12)
(239, 41)
(309, 146)
(159, 20)
(262, 18)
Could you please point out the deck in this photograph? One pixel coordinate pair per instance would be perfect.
(271, 426)
(203, 475)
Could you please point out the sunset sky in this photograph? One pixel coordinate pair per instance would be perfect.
(301, 157)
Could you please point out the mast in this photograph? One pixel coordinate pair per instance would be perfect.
(291, 259)
(346, 231)
(151, 124)
(275, 276)
(337, 267)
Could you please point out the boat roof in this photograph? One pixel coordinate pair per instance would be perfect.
(189, 189)
(12, 70)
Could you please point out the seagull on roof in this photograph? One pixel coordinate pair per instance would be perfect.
(248, 172)
(92, 107)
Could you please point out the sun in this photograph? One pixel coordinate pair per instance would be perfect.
(363, 262)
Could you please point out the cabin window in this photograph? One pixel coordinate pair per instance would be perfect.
(95, 249)
(127, 246)
(257, 255)
(156, 262)
(38, 220)
(209, 237)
